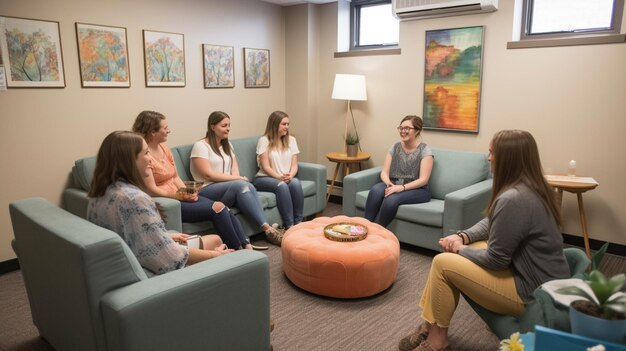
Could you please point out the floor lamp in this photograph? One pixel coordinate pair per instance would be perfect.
(349, 87)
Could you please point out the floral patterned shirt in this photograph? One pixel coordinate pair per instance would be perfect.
(133, 214)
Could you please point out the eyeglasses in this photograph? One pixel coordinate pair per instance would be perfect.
(405, 129)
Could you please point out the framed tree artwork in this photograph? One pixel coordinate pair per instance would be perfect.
(103, 56)
(164, 59)
(452, 79)
(31, 53)
(256, 68)
(219, 63)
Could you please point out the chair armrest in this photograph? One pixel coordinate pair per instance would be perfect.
(171, 210)
(222, 302)
(316, 173)
(356, 182)
(464, 208)
(75, 201)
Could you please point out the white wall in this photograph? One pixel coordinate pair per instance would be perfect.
(572, 99)
(43, 131)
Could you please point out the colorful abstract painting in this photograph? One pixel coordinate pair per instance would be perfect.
(31, 53)
(103, 56)
(219, 63)
(257, 68)
(164, 59)
(452, 79)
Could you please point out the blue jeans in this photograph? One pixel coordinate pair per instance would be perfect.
(239, 194)
(385, 208)
(226, 225)
(289, 197)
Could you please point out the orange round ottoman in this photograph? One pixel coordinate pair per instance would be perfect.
(340, 269)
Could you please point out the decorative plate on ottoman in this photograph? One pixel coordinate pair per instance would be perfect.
(345, 231)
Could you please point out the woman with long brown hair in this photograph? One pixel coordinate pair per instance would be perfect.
(501, 260)
(121, 205)
(277, 157)
(213, 161)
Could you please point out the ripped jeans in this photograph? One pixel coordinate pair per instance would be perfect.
(239, 194)
(289, 198)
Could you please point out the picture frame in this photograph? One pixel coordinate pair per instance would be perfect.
(31, 53)
(256, 68)
(102, 56)
(452, 79)
(218, 66)
(164, 59)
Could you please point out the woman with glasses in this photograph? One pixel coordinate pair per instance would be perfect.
(405, 174)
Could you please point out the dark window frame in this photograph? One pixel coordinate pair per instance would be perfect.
(355, 24)
(616, 23)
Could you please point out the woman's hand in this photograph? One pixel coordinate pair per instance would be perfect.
(179, 237)
(222, 250)
(286, 177)
(243, 178)
(451, 243)
(183, 194)
(390, 189)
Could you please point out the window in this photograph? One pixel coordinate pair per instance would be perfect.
(372, 24)
(570, 18)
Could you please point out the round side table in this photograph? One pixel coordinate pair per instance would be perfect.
(343, 160)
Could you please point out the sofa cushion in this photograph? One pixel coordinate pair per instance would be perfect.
(245, 148)
(454, 170)
(181, 159)
(428, 213)
(82, 172)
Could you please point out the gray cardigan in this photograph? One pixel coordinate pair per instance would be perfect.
(522, 236)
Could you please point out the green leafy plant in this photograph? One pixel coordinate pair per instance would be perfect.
(352, 139)
(603, 288)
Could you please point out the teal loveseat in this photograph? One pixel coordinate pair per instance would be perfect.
(460, 184)
(87, 291)
(312, 176)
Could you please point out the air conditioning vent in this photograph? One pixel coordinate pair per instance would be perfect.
(416, 9)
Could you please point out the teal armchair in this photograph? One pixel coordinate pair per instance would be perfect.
(88, 292)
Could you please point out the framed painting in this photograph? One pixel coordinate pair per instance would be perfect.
(31, 53)
(164, 59)
(256, 64)
(219, 66)
(452, 79)
(103, 56)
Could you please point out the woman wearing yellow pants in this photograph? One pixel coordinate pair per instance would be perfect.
(502, 259)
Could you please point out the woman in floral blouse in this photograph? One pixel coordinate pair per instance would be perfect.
(119, 203)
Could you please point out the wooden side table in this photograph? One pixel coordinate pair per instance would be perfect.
(575, 185)
(343, 160)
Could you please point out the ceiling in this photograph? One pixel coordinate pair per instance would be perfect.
(297, 2)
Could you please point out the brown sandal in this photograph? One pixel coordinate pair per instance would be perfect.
(425, 346)
(414, 339)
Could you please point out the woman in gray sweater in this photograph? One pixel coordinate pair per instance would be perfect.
(502, 259)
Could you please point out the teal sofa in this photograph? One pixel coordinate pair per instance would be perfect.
(312, 176)
(88, 292)
(460, 184)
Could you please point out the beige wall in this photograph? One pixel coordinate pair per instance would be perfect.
(45, 130)
(571, 98)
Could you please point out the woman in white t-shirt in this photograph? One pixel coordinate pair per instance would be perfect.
(213, 161)
(277, 156)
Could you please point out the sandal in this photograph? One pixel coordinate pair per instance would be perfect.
(413, 340)
(259, 247)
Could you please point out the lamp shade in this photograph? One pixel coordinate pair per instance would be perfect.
(349, 87)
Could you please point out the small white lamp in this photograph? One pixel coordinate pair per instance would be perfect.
(349, 87)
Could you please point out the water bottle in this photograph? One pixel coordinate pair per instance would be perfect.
(571, 170)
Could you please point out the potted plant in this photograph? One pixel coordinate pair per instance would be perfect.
(602, 312)
(352, 144)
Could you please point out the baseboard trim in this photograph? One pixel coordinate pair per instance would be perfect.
(9, 266)
(615, 249)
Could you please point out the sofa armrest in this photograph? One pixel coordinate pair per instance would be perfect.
(356, 182)
(222, 302)
(316, 173)
(465, 207)
(75, 201)
(171, 210)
